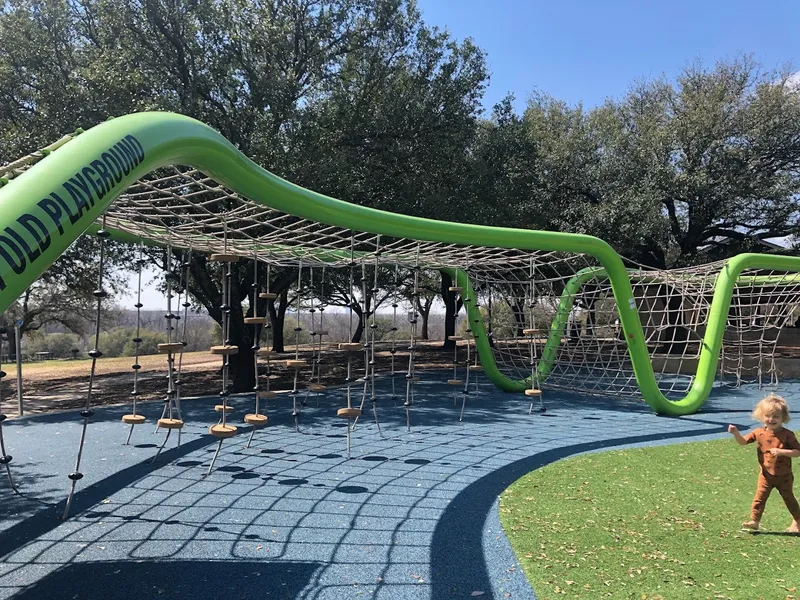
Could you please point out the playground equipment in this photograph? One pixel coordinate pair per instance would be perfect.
(5, 459)
(256, 420)
(133, 419)
(675, 328)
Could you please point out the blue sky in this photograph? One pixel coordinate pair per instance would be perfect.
(584, 50)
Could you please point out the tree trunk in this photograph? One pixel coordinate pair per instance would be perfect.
(11, 334)
(242, 368)
(277, 318)
(451, 308)
(424, 311)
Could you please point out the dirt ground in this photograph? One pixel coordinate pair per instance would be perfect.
(63, 385)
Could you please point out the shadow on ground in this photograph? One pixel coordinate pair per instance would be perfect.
(181, 580)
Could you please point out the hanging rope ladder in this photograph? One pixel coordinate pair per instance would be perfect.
(5, 459)
(266, 351)
(94, 354)
(349, 412)
(256, 420)
(411, 377)
(534, 391)
(134, 418)
(223, 430)
(170, 418)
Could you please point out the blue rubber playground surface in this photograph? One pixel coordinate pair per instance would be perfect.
(408, 516)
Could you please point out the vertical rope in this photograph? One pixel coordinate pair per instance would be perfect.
(256, 332)
(373, 326)
(412, 318)
(321, 325)
(137, 341)
(393, 349)
(94, 354)
(184, 285)
(268, 326)
(226, 330)
(5, 459)
(170, 318)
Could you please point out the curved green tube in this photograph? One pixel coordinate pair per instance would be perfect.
(46, 208)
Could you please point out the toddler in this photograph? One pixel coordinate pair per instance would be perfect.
(776, 448)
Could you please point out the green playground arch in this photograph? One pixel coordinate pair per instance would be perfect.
(41, 214)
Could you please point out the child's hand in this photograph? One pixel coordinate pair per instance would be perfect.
(732, 429)
(774, 451)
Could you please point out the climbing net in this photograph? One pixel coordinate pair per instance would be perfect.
(589, 351)
(584, 351)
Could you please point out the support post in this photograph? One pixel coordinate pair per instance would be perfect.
(18, 350)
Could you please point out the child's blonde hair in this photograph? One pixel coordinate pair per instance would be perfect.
(772, 405)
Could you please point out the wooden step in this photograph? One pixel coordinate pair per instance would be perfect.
(224, 350)
(170, 348)
(256, 420)
(256, 320)
(348, 413)
(351, 347)
(222, 431)
(133, 419)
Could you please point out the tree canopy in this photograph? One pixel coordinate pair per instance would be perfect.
(673, 173)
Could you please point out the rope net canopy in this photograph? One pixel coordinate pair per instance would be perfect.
(589, 314)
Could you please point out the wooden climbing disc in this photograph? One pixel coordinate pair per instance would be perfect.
(533, 392)
(529, 332)
(224, 350)
(296, 363)
(476, 368)
(351, 347)
(223, 408)
(265, 352)
(267, 395)
(455, 338)
(348, 413)
(227, 258)
(256, 420)
(133, 419)
(455, 382)
(170, 423)
(222, 431)
(170, 348)
(267, 296)
(455, 288)
(317, 387)
(255, 320)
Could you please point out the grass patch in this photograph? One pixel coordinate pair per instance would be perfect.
(648, 523)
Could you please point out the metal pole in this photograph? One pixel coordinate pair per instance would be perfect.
(18, 339)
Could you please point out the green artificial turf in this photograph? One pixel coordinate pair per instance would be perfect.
(648, 523)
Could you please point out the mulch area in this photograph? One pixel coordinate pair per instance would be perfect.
(44, 394)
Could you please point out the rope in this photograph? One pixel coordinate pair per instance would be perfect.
(5, 459)
(410, 374)
(137, 340)
(94, 354)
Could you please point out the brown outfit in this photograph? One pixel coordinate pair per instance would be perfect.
(776, 471)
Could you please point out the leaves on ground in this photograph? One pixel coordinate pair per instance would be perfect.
(648, 523)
